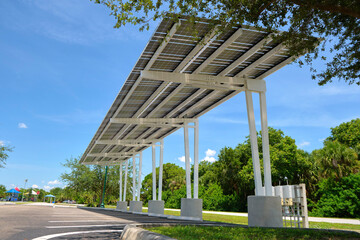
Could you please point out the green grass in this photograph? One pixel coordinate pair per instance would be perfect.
(244, 220)
(223, 233)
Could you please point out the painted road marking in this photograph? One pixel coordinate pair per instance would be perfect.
(85, 226)
(73, 233)
(70, 221)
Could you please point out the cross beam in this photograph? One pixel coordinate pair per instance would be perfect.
(198, 80)
(139, 142)
(112, 154)
(208, 81)
(156, 122)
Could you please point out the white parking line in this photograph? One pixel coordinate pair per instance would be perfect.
(85, 226)
(72, 233)
(70, 221)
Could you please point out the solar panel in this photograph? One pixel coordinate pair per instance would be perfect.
(236, 52)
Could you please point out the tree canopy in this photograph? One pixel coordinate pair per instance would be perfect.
(4, 150)
(300, 22)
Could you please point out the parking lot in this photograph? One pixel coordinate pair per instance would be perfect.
(46, 222)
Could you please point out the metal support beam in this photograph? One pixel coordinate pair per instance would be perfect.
(120, 180)
(134, 179)
(254, 143)
(152, 121)
(219, 50)
(198, 80)
(196, 160)
(161, 169)
(139, 177)
(246, 55)
(112, 154)
(187, 161)
(125, 182)
(153, 173)
(265, 145)
(265, 57)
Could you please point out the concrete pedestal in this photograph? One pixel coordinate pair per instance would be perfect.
(121, 205)
(191, 208)
(136, 206)
(264, 211)
(156, 207)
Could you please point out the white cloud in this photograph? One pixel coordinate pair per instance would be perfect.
(2, 143)
(22, 125)
(209, 155)
(47, 188)
(35, 186)
(55, 182)
(303, 144)
(182, 159)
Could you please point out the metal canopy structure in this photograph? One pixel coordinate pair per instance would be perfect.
(179, 78)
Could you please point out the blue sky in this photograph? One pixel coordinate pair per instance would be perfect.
(62, 63)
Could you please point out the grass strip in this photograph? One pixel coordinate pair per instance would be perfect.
(224, 233)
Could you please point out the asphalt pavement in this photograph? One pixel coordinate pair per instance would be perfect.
(41, 222)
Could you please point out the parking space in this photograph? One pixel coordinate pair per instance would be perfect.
(47, 222)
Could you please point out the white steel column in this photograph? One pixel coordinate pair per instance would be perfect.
(125, 182)
(139, 178)
(120, 180)
(196, 159)
(153, 173)
(161, 168)
(187, 161)
(134, 178)
(254, 143)
(265, 145)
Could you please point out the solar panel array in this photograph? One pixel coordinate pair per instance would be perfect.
(235, 52)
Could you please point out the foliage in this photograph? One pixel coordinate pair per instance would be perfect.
(298, 20)
(339, 198)
(173, 180)
(2, 191)
(347, 133)
(4, 150)
(335, 160)
(85, 183)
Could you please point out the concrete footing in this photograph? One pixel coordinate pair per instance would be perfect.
(156, 207)
(135, 206)
(121, 205)
(191, 208)
(264, 211)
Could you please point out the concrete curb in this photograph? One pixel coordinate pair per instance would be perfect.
(131, 232)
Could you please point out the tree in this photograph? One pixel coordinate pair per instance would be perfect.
(4, 150)
(2, 191)
(347, 133)
(299, 21)
(336, 160)
(339, 198)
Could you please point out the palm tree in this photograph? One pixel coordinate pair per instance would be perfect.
(336, 160)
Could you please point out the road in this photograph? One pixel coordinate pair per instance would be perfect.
(38, 222)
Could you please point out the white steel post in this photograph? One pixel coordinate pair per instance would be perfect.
(187, 161)
(125, 182)
(161, 169)
(139, 179)
(196, 159)
(120, 180)
(134, 178)
(265, 145)
(153, 173)
(254, 143)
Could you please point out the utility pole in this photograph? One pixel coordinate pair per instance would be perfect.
(102, 205)
(24, 190)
